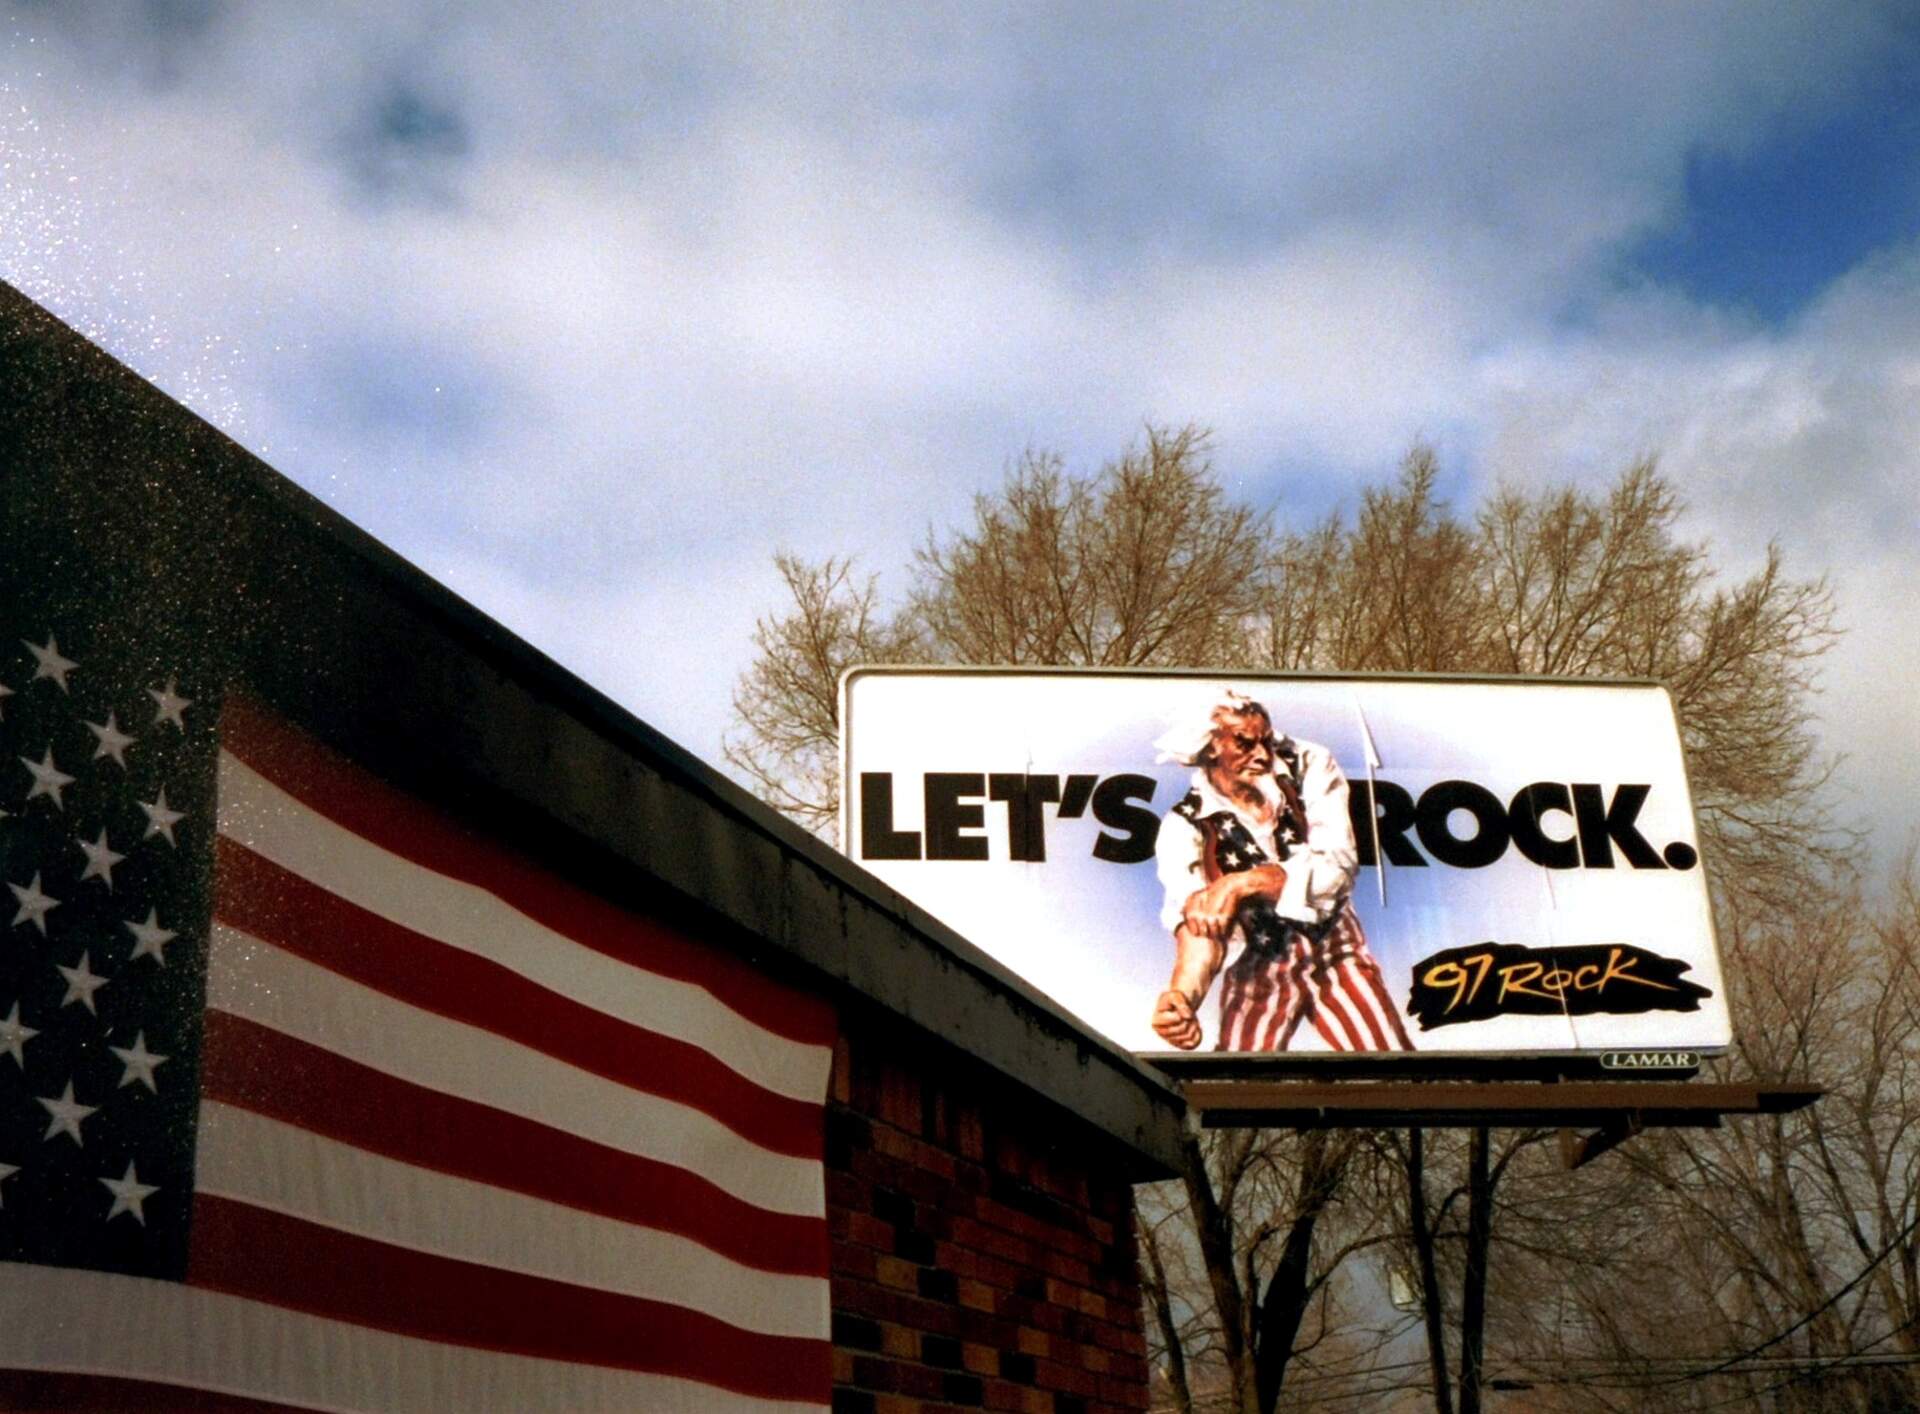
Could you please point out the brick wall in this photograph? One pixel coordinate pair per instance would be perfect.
(983, 1250)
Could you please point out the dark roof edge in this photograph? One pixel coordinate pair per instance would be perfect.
(732, 854)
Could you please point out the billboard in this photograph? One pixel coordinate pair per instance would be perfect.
(1260, 864)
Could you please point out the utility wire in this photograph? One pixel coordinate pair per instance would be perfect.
(1817, 1311)
(1826, 1363)
(1748, 1354)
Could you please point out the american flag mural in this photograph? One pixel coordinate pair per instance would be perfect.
(313, 1096)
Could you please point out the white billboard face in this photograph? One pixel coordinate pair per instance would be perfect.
(1266, 864)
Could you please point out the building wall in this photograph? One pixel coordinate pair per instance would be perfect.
(983, 1245)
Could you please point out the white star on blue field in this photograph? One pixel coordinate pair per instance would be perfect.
(589, 310)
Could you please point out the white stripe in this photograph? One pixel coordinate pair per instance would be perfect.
(272, 823)
(1361, 998)
(253, 979)
(277, 1166)
(79, 1322)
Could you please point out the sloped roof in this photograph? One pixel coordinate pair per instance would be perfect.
(115, 493)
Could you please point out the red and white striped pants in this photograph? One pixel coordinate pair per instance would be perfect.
(1331, 981)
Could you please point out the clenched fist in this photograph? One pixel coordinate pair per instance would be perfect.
(1174, 1020)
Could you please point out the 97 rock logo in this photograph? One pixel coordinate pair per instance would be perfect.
(1502, 979)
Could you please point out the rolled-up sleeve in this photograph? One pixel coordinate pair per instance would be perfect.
(1320, 873)
(1176, 858)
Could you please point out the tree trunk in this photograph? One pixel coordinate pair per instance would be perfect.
(1473, 1299)
(1216, 1251)
(1162, 1303)
(1291, 1286)
(1432, 1311)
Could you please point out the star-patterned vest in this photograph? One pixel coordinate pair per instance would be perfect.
(1228, 847)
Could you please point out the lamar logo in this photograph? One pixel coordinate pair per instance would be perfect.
(1502, 979)
(1650, 1060)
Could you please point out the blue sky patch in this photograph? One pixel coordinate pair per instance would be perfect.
(1766, 231)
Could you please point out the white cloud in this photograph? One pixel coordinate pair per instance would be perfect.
(667, 293)
(1806, 436)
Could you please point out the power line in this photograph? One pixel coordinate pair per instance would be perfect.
(1819, 1310)
(1741, 1358)
(1827, 1363)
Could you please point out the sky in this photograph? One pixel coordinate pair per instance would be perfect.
(589, 310)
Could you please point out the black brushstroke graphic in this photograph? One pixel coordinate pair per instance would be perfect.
(1485, 980)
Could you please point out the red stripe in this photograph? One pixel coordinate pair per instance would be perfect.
(358, 801)
(1283, 1004)
(1356, 992)
(1328, 985)
(259, 1069)
(1252, 987)
(35, 1390)
(1379, 1024)
(1387, 1007)
(1300, 1007)
(286, 1261)
(1237, 999)
(1305, 1009)
(1309, 1001)
(1356, 944)
(259, 897)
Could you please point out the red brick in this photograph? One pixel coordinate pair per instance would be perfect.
(917, 1152)
(868, 1231)
(1073, 1298)
(980, 1359)
(852, 1260)
(1021, 1211)
(899, 1342)
(1051, 1374)
(986, 1329)
(839, 1080)
(970, 1137)
(898, 1101)
(1068, 1269)
(964, 1262)
(1125, 1393)
(845, 1190)
(1009, 1398)
(885, 1304)
(1050, 1318)
(1015, 1399)
(1123, 1338)
(874, 1374)
(897, 1377)
(992, 1241)
(893, 1172)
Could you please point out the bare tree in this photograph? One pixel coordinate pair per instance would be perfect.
(1143, 563)
(1146, 563)
(1149, 562)
(786, 705)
